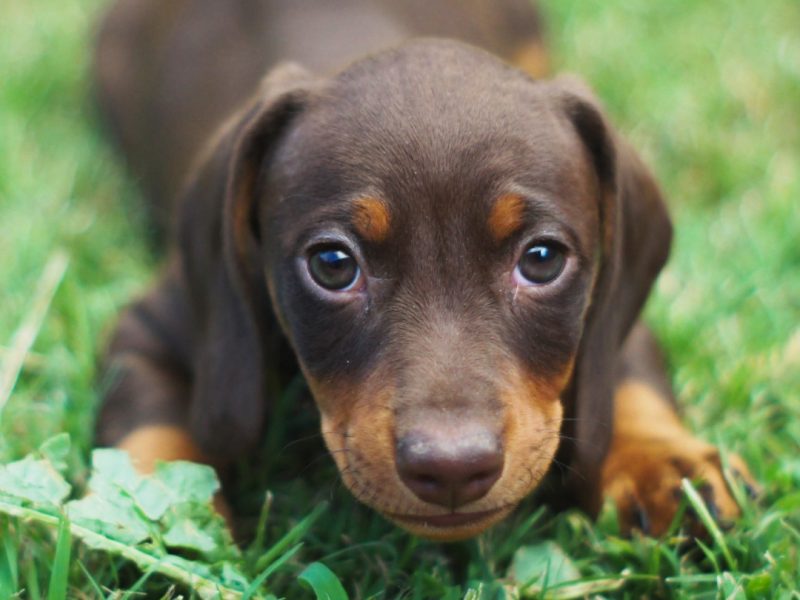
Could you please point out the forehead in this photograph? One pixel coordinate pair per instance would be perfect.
(437, 136)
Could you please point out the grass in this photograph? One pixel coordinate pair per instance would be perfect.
(708, 91)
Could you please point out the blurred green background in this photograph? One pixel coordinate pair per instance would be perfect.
(709, 92)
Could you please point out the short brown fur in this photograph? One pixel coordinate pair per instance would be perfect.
(443, 146)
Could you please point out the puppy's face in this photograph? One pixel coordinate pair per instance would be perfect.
(430, 229)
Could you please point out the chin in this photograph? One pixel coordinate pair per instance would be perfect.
(453, 527)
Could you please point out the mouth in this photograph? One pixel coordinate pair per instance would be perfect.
(446, 521)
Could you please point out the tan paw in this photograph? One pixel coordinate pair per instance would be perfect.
(151, 444)
(643, 477)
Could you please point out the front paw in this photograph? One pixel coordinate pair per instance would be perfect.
(643, 477)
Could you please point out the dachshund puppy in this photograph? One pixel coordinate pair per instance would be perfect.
(456, 254)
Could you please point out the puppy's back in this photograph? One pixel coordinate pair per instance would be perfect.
(166, 74)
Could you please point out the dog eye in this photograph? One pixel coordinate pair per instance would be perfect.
(333, 268)
(542, 262)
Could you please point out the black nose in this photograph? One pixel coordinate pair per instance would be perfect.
(449, 468)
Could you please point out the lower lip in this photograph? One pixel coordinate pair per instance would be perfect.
(446, 521)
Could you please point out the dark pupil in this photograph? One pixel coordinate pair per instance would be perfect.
(333, 269)
(541, 263)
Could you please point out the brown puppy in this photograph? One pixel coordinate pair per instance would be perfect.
(456, 254)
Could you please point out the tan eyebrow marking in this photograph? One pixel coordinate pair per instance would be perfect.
(506, 216)
(532, 58)
(371, 219)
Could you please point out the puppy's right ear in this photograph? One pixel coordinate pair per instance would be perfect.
(234, 329)
(635, 234)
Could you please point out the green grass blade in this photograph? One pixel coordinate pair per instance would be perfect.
(259, 581)
(92, 581)
(27, 332)
(59, 578)
(9, 575)
(204, 587)
(585, 588)
(708, 521)
(294, 535)
(322, 580)
(133, 591)
(258, 541)
(32, 581)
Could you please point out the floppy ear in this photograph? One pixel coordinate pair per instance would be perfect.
(635, 238)
(235, 332)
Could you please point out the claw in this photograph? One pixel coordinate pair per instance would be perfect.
(708, 496)
(751, 491)
(654, 504)
(750, 488)
(641, 518)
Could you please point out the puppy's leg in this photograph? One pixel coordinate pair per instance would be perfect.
(145, 405)
(651, 450)
(145, 409)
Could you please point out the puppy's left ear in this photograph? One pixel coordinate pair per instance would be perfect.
(635, 234)
(236, 334)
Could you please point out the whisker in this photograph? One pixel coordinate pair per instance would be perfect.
(569, 468)
(300, 441)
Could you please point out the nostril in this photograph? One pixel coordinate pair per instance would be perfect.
(424, 482)
(479, 477)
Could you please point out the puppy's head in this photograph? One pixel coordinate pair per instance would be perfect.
(435, 233)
